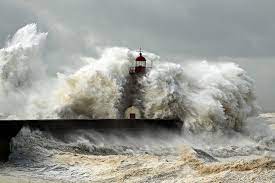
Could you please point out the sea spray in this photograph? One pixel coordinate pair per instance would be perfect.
(20, 59)
(205, 95)
(94, 91)
(21, 69)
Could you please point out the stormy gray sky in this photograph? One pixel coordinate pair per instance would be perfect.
(241, 31)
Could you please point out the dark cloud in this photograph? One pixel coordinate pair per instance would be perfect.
(207, 29)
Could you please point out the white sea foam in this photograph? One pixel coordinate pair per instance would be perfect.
(204, 95)
(20, 69)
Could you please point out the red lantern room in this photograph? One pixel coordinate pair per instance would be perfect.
(140, 65)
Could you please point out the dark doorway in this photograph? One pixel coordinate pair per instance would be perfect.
(132, 116)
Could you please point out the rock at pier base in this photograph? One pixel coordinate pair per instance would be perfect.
(4, 149)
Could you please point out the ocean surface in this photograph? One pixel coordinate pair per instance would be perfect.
(89, 156)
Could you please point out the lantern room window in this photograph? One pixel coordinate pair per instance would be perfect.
(139, 65)
(140, 61)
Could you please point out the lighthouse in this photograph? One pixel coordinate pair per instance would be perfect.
(140, 65)
(131, 101)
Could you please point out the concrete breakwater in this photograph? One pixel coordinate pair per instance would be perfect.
(9, 128)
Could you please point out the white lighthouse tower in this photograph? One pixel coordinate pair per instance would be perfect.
(132, 106)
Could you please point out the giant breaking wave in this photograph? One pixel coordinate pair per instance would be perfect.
(205, 95)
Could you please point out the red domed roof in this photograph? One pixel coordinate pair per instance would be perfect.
(140, 58)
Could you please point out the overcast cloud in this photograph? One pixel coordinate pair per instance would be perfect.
(242, 31)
